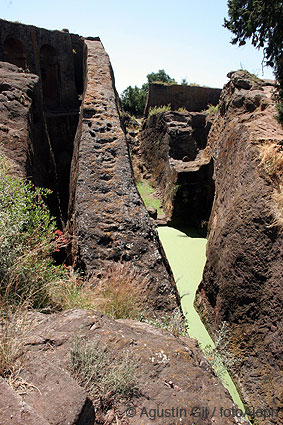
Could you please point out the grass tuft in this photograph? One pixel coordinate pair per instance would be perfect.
(13, 329)
(211, 109)
(102, 372)
(157, 109)
(120, 293)
(173, 323)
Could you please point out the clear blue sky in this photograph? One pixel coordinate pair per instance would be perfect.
(184, 37)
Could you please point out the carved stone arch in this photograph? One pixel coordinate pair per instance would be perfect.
(49, 75)
(14, 52)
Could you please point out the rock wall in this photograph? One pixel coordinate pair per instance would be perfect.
(48, 54)
(107, 217)
(193, 98)
(171, 155)
(23, 133)
(57, 58)
(242, 280)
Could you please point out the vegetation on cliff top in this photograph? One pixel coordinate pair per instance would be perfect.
(133, 98)
(261, 22)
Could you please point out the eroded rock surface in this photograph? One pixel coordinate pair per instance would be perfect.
(107, 217)
(242, 281)
(171, 155)
(23, 133)
(170, 372)
(19, 106)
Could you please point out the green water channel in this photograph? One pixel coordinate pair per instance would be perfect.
(187, 256)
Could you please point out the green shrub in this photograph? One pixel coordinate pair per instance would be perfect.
(182, 110)
(101, 371)
(174, 323)
(211, 109)
(27, 241)
(157, 109)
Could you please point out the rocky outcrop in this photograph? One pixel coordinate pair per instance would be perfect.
(107, 217)
(170, 372)
(56, 58)
(171, 155)
(16, 92)
(24, 138)
(242, 280)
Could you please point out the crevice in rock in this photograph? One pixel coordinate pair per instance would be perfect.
(87, 416)
(62, 127)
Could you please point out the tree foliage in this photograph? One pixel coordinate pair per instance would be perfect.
(261, 21)
(133, 98)
(160, 76)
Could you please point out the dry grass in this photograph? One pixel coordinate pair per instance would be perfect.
(271, 158)
(277, 207)
(74, 292)
(120, 293)
(14, 326)
(173, 322)
(101, 371)
(157, 109)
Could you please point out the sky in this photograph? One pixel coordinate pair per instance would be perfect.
(186, 38)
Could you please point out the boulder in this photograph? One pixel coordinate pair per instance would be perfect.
(170, 373)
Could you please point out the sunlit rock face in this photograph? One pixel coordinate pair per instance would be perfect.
(242, 281)
(106, 214)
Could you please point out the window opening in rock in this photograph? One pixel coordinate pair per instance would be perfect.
(14, 52)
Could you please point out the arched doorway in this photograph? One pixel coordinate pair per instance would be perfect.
(14, 52)
(49, 75)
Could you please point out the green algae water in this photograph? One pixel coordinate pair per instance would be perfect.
(186, 253)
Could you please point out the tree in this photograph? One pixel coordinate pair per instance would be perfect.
(261, 21)
(160, 76)
(133, 98)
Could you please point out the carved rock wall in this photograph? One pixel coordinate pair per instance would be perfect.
(23, 132)
(171, 154)
(48, 54)
(242, 281)
(193, 98)
(57, 58)
(107, 217)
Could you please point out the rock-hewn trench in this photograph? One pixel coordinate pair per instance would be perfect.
(241, 287)
(60, 127)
